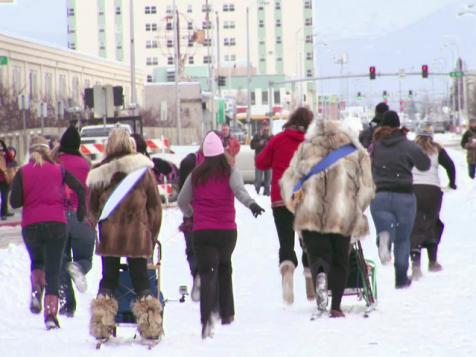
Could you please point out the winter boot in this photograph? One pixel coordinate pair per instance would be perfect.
(322, 292)
(103, 316)
(287, 271)
(67, 300)
(51, 312)
(207, 329)
(148, 313)
(310, 290)
(195, 294)
(336, 313)
(38, 283)
(384, 248)
(416, 269)
(434, 266)
(76, 273)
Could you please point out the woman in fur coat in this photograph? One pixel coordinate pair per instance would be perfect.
(130, 231)
(331, 209)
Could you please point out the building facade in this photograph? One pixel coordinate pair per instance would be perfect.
(212, 35)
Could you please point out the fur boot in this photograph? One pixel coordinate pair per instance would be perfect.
(103, 316)
(148, 313)
(310, 290)
(287, 274)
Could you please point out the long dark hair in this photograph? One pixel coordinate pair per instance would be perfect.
(211, 167)
(299, 119)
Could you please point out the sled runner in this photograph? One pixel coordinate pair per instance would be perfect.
(362, 280)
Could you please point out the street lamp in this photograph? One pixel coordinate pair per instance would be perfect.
(248, 63)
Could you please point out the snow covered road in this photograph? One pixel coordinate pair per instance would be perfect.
(434, 317)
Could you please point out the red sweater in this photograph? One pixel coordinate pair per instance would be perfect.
(276, 156)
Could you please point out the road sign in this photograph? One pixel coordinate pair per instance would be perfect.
(3, 60)
(456, 74)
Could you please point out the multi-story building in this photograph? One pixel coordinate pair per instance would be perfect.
(281, 36)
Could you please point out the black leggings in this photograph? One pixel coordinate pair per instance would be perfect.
(213, 250)
(329, 253)
(284, 221)
(4, 189)
(45, 244)
(137, 271)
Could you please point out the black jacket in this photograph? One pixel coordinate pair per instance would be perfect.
(393, 158)
(259, 142)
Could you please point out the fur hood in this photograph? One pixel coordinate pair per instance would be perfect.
(102, 175)
(334, 200)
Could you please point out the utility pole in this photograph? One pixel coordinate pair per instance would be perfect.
(211, 75)
(218, 49)
(177, 72)
(132, 58)
(248, 71)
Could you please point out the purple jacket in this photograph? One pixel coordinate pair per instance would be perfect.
(43, 194)
(212, 204)
(78, 166)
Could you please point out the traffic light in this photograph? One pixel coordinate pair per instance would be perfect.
(384, 94)
(372, 72)
(424, 71)
(410, 93)
(221, 81)
(359, 95)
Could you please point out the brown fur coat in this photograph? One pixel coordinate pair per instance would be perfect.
(334, 200)
(133, 227)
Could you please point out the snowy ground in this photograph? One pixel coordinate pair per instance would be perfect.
(432, 318)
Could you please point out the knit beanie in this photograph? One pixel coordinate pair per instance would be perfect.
(212, 145)
(391, 119)
(427, 131)
(70, 141)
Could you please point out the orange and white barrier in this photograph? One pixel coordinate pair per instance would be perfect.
(154, 145)
(91, 149)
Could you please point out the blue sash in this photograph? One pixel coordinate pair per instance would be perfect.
(326, 161)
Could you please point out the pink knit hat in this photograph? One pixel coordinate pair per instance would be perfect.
(212, 145)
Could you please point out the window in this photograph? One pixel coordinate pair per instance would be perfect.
(170, 76)
(101, 30)
(151, 44)
(308, 4)
(277, 6)
(148, 61)
(253, 98)
(206, 8)
(309, 56)
(75, 88)
(119, 47)
(190, 42)
(149, 78)
(228, 7)
(62, 86)
(229, 41)
(233, 58)
(155, 61)
(170, 43)
(102, 47)
(279, 59)
(189, 8)
(260, 8)
(154, 27)
(226, 42)
(153, 9)
(206, 25)
(207, 59)
(309, 39)
(261, 23)
(147, 9)
(169, 26)
(169, 10)
(225, 7)
(118, 10)
(264, 97)
(71, 45)
(16, 79)
(49, 85)
(308, 21)
(277, 97)
(262, 43)
(190, 60)
(309, 73)
(148, 44)
(147, 27)
(33, 78)
(70, 12)
(229, 24)
(170, 60)
(190, 25)
(227, 58)
(262, 59)
(278, 23)
(278, 40)
(207, 42)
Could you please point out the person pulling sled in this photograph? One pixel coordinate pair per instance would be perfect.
(125, 203)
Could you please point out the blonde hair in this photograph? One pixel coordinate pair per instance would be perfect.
(427, 144)
(119, 143)
(39, 150)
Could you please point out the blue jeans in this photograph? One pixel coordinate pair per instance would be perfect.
(471, 170)
(394, 213)
(263, 178)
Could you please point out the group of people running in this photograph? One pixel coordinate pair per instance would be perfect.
(324, 177)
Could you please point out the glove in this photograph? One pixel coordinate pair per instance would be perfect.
(256, 209)
(80, 213)
(186, 225)
(453, 186)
